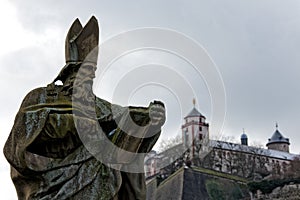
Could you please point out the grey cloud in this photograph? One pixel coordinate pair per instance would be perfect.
(255, 44)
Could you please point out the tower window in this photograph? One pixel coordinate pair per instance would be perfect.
(200, 128)
(200, 136)
(186, 138)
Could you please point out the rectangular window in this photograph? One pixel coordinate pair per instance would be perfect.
(200, 136)
(186, 138)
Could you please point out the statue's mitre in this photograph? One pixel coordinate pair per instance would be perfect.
(81, 47)
(82, 43)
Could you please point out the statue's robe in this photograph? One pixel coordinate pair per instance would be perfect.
(49, 161)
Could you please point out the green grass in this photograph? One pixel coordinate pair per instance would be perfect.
(220, 174)
(209, 172)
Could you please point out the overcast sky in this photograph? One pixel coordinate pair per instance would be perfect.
(254, 44)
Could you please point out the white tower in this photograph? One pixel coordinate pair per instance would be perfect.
(194, 129)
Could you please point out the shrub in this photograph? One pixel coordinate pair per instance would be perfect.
(267, 186)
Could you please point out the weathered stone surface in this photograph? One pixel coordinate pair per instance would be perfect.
(190, 184)
(47, 145)
(171, 188)
(287, 192)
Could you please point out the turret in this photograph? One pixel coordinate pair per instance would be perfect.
(278, 142)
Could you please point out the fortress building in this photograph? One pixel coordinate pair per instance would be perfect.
(180, 171)
(238, 159)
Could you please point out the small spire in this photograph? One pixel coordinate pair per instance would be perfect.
(194, 102)
(243, 130)
(276, 126)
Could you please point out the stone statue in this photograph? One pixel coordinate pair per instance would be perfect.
(60, 129)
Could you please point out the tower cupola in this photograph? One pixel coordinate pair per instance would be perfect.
(244, 138)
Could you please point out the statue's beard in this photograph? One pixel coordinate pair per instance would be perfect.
(83, 92)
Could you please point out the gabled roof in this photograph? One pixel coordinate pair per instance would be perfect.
(277, 137)
(194, 113)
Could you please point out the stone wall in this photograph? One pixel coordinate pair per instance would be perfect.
(151, 189)
(171, 188)
(279, 147)
(191, 184)
(252, 166)
(204, 184)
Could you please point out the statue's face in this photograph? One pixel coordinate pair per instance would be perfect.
(83, 84)
(86, 73)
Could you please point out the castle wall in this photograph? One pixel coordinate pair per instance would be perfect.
(191, 184)
(279, 147)
(250, 165)
(171, 188)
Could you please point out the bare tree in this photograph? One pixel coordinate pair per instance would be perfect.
(240, 160)
(226, 153)
(169, 143)
(294, 168)
(258, 161)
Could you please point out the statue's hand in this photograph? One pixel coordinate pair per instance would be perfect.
(157, 113)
